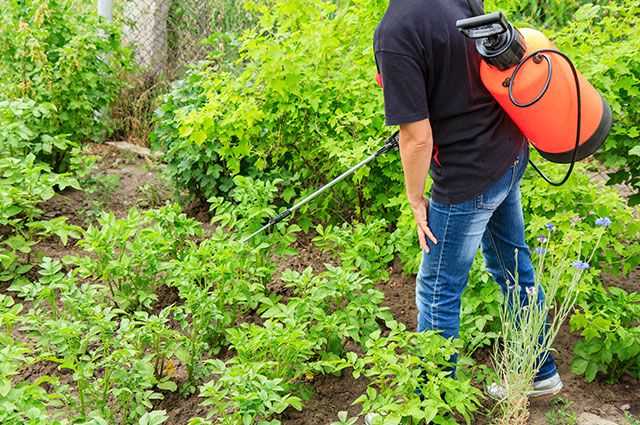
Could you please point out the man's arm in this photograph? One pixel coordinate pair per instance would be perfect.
(416, 148)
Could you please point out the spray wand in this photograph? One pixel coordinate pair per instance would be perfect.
(391, 144)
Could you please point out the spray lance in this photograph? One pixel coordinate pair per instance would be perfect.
(390, 145)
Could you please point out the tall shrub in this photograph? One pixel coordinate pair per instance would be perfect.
(59, 55)
(603, 41)
(305, 104)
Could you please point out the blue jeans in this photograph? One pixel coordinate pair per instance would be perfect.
(494, 220)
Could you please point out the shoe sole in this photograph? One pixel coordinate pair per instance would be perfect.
(547, 392)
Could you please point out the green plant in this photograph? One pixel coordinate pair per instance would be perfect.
(109, 357)
(23, 402)
(218, 280)
(61, 58)
(24, 185)
(245, 394)
(344, 419)
(409, 380)
(550, 13)
(308, 120)
(338, 303)
(531, 319)
(602, 39)
(132, 253)
(608, 322)
(481, 305)
(362, 247)
(589, 201)
(632, 420)
(561, 413)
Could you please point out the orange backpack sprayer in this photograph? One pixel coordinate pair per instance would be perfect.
(555, 107)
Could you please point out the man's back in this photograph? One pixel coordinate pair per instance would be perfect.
(430, 70)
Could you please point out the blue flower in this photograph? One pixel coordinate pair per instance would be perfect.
(603, 222)
(532, 291)
(580, 265)
(550, 227)
(542, 239)
(541, 251)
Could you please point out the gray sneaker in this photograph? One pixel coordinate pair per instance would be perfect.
(545, 387)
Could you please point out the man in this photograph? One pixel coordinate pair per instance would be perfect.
(451, 126)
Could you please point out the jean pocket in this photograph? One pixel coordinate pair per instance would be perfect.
(495, 195)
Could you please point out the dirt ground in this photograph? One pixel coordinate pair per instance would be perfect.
(137, 184)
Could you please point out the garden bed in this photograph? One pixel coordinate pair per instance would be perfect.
(331, 393)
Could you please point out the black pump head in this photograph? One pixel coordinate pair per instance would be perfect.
(497, 41)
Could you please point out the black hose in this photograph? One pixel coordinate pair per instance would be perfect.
(541, 95)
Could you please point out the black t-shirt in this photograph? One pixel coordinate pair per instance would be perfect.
(430, 70)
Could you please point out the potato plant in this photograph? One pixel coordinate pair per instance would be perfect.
(410, 379)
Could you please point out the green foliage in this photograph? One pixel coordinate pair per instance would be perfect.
(631, 419)
(561, 413)
(481, 303)
(245, 394)
(298, 340)
(106, 354)
(550, 13)
(308, 120)
(359, 247)
(409, 381)
(24, 185)
(131, 254)
(589, 201)
(603, 41)
(64, 59)
(608, 322)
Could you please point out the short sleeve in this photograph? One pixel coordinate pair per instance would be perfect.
(404, 85)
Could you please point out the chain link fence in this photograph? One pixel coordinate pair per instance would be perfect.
(167, 35)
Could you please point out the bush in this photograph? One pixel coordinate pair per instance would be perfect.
(304, 106)
(550, 13)
(64, 59)
(608, 323)
(603, 41)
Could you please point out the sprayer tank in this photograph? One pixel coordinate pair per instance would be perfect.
(550, 123)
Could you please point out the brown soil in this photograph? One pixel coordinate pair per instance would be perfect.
(332, 394)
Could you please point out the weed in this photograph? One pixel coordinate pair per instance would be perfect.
(561, 412)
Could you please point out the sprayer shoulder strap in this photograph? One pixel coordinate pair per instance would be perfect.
(476, 6)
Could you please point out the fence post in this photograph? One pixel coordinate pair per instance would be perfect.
(105, 9)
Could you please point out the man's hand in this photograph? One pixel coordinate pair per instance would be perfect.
(420, 213)
(416, 146)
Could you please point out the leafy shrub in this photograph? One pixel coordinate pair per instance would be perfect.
(309, 119)
(111, 370)
(589, 201)
(409, 380)
(61, 57)
(550, 13)
(20, 401)
(359, 247)
(608, 323)
(245, 393)
(299, 339)
(131, 254)
(24, 185)
(603, 41)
